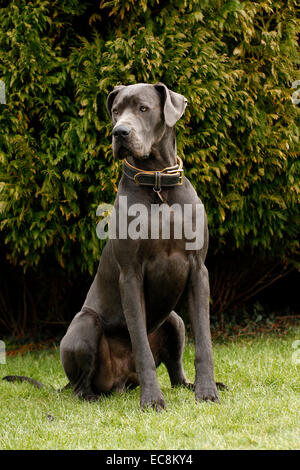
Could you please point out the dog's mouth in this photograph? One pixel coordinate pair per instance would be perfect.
(121, 151)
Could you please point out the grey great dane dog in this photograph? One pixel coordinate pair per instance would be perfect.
(128, 324)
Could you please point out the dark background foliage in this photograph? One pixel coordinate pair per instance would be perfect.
(235, 61)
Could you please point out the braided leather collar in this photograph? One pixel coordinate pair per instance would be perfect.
(168, 177)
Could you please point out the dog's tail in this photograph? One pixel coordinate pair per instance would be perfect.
(22, 378)
(35, 383)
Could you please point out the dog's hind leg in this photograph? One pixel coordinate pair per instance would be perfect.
(173, 335)
(171, 354)
(79, 351)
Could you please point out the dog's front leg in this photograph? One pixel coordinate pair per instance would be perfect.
(198, 298)
(132, 296)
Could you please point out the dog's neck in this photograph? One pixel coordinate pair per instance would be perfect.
(163, 154)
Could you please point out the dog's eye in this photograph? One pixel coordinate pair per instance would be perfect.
(143, 109)
(115, 111)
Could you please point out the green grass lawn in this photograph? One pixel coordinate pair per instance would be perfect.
(260, 411)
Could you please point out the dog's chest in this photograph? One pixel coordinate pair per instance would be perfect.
(165, 277)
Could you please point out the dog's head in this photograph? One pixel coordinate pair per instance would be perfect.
(140, 116)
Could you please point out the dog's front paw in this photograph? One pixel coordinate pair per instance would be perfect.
(153, 399)
(207, 393)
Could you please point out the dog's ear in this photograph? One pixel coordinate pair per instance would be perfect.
(174, 104)
(111, 97)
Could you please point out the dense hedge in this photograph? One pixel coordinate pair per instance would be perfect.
(235, 61)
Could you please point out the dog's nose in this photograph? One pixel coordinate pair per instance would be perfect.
(121, 131)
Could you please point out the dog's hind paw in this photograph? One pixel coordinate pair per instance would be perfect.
(221, 386)
(188, 385)
(87, 395)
